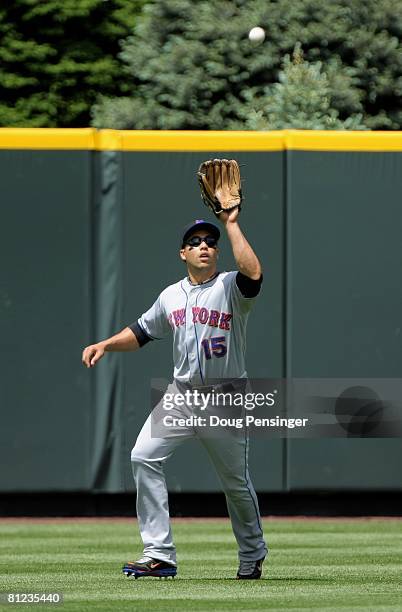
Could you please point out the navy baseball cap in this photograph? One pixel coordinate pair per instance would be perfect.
(200, 224)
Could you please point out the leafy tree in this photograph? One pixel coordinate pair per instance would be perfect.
(190, 63)
(301, 100)
(57, 56)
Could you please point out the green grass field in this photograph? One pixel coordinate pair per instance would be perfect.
(313, 565)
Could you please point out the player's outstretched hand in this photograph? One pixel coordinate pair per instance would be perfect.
(91, 354)
(230, 216)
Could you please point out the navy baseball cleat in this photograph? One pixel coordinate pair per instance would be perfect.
(250, 570)
(149, 567)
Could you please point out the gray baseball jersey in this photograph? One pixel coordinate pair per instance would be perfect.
(209, 327)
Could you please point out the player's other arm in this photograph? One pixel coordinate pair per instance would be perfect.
(152, 324)
(126, 340)
(246, 260)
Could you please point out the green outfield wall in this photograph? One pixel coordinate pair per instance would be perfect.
(91, 223)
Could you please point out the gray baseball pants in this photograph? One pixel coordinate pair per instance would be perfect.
(229, 456)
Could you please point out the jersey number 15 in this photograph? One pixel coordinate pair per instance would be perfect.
(214, 346)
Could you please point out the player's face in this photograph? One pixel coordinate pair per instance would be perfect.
(201, 257)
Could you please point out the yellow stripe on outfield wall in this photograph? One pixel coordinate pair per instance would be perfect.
(47, 138)
(139, 140)
(149, 140)
(308, 140)
(325, 140)
(108, 140)
(201, 141)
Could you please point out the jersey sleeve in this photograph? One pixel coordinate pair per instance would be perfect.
(154, 321)
(249, 287)
(244, 291)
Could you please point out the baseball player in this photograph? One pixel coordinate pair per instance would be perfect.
(207, 313)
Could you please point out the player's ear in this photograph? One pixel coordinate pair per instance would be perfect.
(182, 255)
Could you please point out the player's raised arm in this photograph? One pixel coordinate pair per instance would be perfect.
(125, 340)
(246, 260)
(221, 191)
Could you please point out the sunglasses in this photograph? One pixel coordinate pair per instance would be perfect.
(195, 241)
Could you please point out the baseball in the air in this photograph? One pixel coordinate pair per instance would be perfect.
(256, 34)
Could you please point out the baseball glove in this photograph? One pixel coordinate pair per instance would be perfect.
(220, 184)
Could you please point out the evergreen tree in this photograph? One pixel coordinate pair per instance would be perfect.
(190, 63)
(301, 100)
(57, 56)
